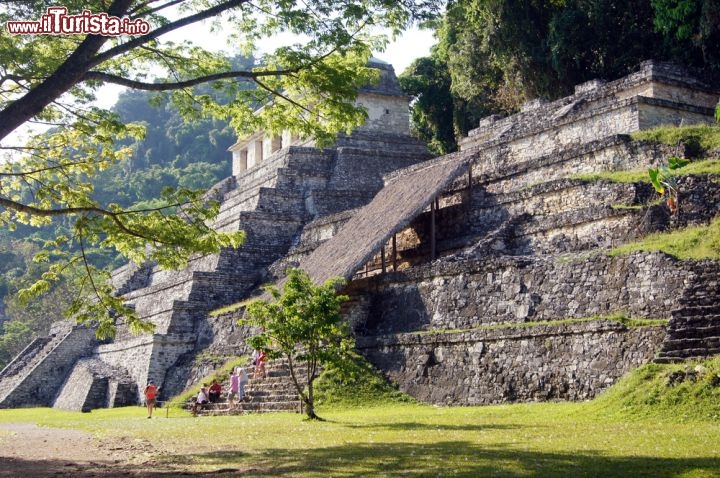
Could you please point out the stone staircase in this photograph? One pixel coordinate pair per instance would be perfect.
(694, 329)
(23, 382)
(274, 393)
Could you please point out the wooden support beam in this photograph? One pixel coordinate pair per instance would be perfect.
(394, 252)
(433, 207)
(382, 259)
(470, 184)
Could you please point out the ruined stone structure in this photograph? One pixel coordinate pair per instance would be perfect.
(478, 277)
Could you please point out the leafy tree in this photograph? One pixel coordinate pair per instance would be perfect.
(303, 324)
(694, 28)
(427, 79)
(15, 337)
(307, 87)
(24, 320)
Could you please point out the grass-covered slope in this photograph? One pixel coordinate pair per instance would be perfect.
(667, 392)
(695, 242)
(697, 138)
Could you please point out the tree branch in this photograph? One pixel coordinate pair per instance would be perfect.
(85, 57)
(115, 216)
(140, 85)
(63, 78)
(150, 11)
(172, 26)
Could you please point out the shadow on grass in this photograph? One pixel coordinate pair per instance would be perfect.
(414, 426)
(450, 458)
(453, 458)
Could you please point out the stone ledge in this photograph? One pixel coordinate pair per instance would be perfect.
(514, 332)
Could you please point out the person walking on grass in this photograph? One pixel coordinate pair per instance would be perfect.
(151, 392)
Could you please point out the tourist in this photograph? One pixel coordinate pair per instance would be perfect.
(201, 400)
(234, 387)
(151, 392)
(259, 361)
(242, 381)
(214, 392)
(202, 397)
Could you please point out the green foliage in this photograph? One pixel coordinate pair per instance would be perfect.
(696, 242)
(552, 439)
(636, 176)
(427, 79)
(230, 308)
(664, 180)
(28, 319)
(623, 318)
(307, 88)
(357, 384)
(710, 166)
(304, 325)
(694, 27)
(15, 337)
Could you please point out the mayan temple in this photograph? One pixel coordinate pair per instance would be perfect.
(478, 277)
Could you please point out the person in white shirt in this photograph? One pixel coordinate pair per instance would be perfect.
(242, 381)
(200, 400)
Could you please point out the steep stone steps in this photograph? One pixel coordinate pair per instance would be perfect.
(694, 329)
(704, 317)
(274, 393)
(32, 350)
(704, 327)
(28, 384)
(23, 364)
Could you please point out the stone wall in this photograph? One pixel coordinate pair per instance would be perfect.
(598, 110)
(549, 362)
(452, 294)
(95, 384)
(385, 113)
(147, 357)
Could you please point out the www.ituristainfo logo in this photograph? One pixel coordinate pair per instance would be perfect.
(57, 22)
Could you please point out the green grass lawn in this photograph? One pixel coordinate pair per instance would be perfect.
(640, 427)
(550, 439)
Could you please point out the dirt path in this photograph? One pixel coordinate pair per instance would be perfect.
(30, 451)
(27, 450)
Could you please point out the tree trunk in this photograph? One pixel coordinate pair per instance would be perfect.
(310, 403)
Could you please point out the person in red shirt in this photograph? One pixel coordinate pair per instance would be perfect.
(214, 392)
(151, 392)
